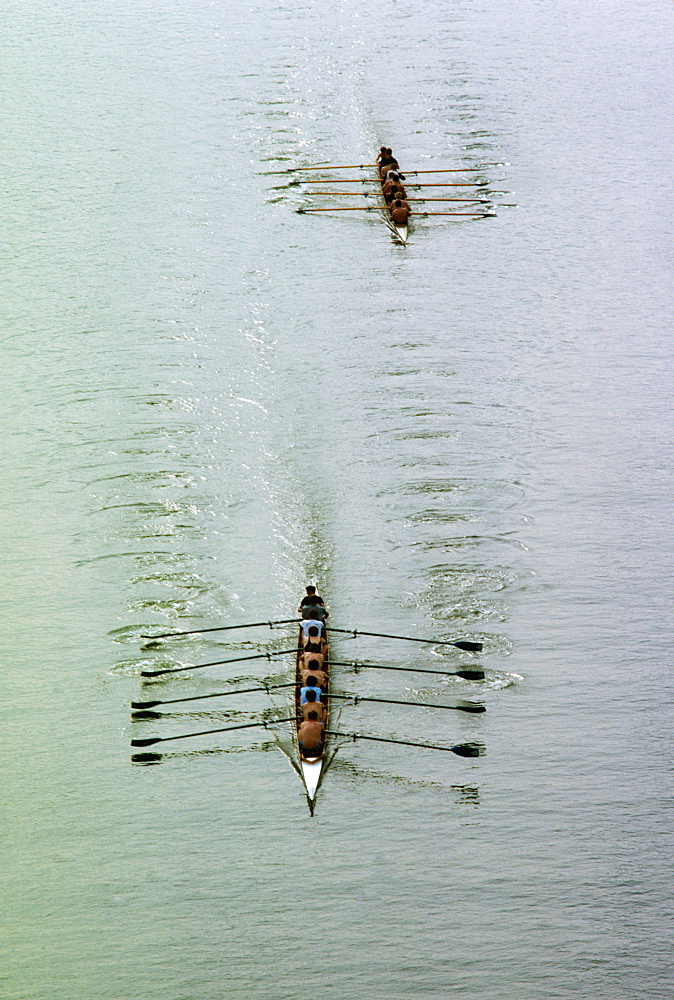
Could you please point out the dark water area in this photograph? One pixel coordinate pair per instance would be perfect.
(211, 400)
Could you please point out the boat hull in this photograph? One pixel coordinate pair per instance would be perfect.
(312, 767)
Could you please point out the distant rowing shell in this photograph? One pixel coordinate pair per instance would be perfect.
(399, 232)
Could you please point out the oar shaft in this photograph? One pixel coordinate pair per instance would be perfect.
(317, 166)
(345, 166)
(471, 675)
(207, 732)
(415, 704)
(369, 180)
(354, 208)
(404, 743)
(216, 694)
(215, 663)
(472, 215)
(451, 170)
(371, 194)
(470, 201)
(460, 643)
(219, 628)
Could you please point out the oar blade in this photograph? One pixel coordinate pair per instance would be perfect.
(148, 742)
(144, 704)
(470, 706)
(470, 675)
(469, 647)
(468, 750)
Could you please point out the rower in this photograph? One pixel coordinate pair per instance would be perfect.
(403, 201)
(313, 612)
(399, 213)
(309, 659)
(386, 159)
(310, 736)
(313, 676)
(308, 689)
(390, 169)
(311, 599)
(313, 642)
(307, 624)
(393, 190)
(312, 704)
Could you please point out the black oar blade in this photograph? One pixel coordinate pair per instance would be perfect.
(470, 675)
(470, 647)
(470, 706)
(150, 741)
(144, 704)
(468, 750)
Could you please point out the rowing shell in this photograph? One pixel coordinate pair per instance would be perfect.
(312, 766)
(400, 232)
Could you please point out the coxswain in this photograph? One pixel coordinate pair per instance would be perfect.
(310, 736)
(313, 704)
(399, 213)
(311, 599)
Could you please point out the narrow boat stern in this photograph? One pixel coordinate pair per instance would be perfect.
(311, 771)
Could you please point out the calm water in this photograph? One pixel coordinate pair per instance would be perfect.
(210, 400)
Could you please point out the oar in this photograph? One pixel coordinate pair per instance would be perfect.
(467, 674)
(473, 215)
(472, 201)
(219, 628)
(369, 194)
(215, 663)
(468, 707)
(216, 694)
(354, 208)
(376, 208)
(462, 750)
(452, 170)
(369, 180)
(207, 732)
(319, 166)
(471, 647)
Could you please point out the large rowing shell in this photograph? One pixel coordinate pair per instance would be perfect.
(312, 767)
(399, 232)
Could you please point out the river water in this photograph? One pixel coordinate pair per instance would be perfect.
(210, 400)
